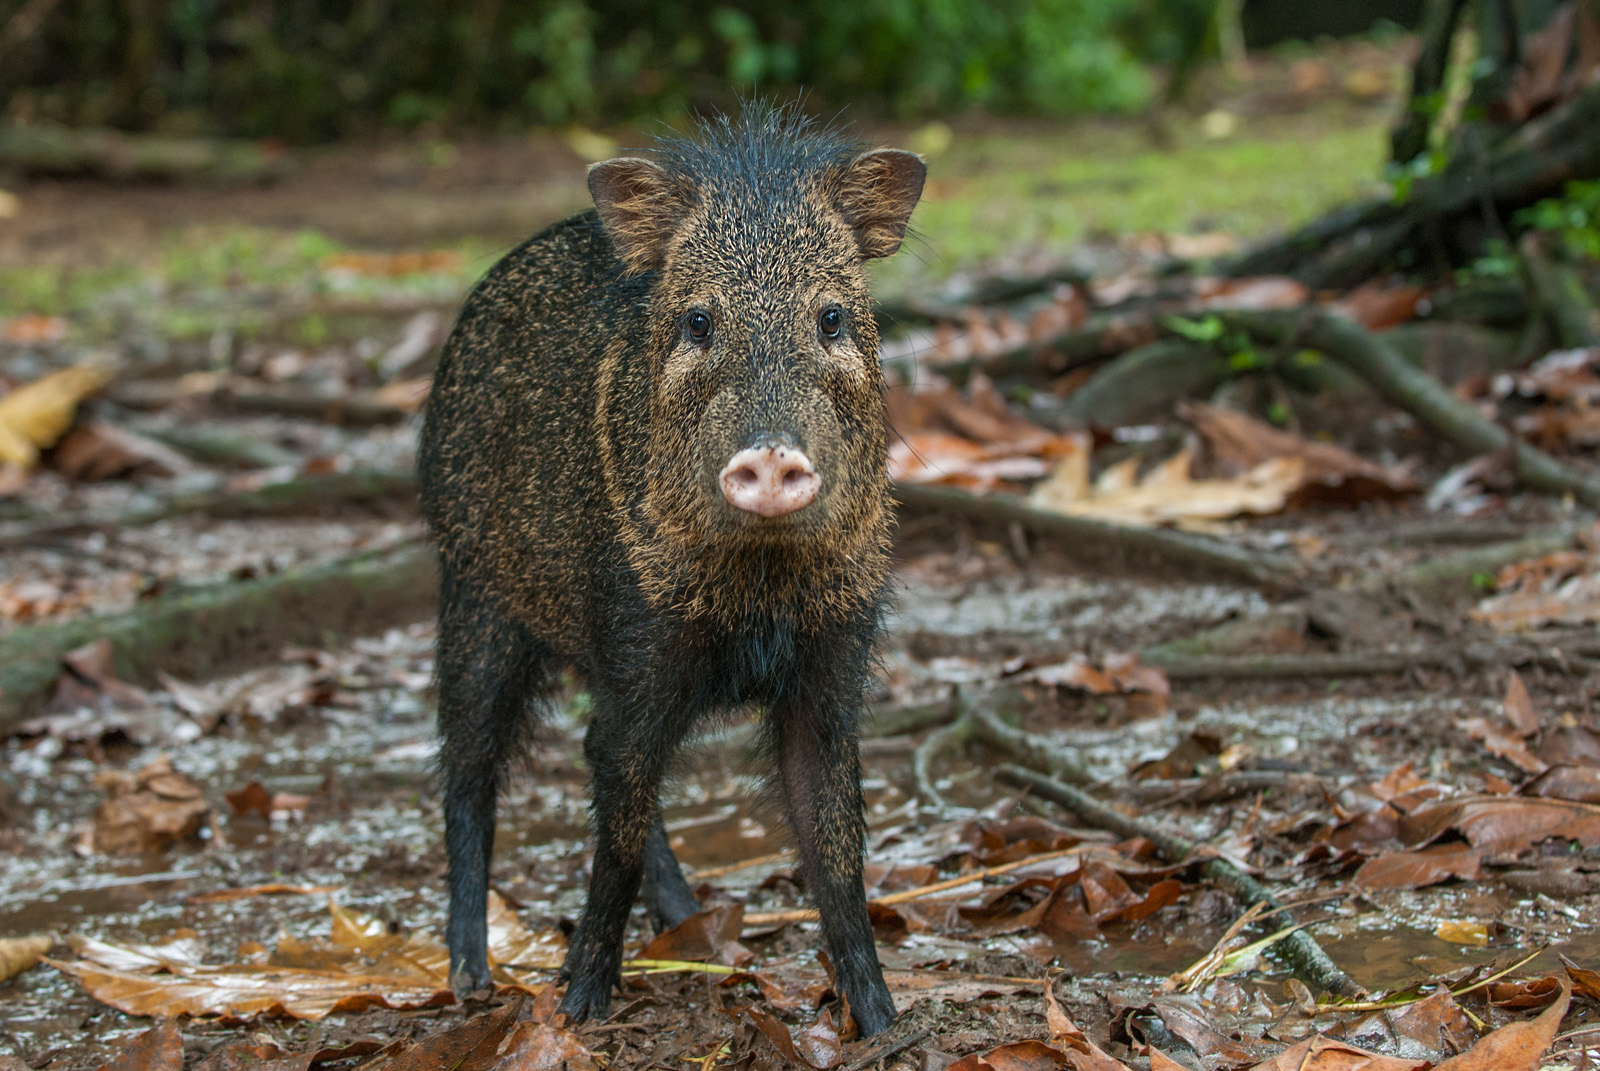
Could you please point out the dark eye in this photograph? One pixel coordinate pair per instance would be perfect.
(698, 324)
(831, 322)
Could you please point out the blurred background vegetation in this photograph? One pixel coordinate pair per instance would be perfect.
(314, 70)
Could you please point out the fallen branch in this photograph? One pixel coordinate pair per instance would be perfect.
(1460, 567)
(1306, 958)
(219, 446)
(205, 631)
(1400, 384)
(1103, 544)
(309, 495)
(806, 914)
(240, 394)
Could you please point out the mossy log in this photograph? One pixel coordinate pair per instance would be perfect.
(58, 150)
(1355, 242)
(220, 628)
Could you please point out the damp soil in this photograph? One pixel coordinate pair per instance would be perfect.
(967, 605)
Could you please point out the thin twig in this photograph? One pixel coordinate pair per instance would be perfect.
(1310, 963)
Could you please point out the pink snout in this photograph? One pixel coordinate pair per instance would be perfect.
(770, 480)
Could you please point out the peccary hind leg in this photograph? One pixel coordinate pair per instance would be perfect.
(820, 769)
(667, 895)
(489, 669)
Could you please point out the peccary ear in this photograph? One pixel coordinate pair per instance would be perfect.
(880, 189)
(641, 205)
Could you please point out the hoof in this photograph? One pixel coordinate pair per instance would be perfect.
(586, 998)
(466, 981)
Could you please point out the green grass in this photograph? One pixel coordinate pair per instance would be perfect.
(202, 279)
(991, 195)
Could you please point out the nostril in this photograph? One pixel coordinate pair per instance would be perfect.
(770, 480)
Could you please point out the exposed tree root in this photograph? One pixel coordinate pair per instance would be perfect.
(1360, 663)
(1400, 384)
(1309, 962)
(206, 631)
(1102, 543)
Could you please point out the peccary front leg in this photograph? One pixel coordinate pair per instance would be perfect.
(628, 756)
(820, 768)
(488, 670)
(667, 895)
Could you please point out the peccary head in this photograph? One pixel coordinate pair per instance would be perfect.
(765, 414)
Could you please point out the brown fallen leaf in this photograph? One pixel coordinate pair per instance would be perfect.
(1117, 673)
(33, 327)
(146, 811)
(251, 799)
(96, 450)
(36, 415)
(1515, 1046)
(540, 1047)
(818, 1045)
(1169, 494)
(1319, 1053)
(1578, 783)
(1496, 824)
(258, 1056)
(17, 954)
(1377, 306)
(1519, 707)
(157, 1049)
(1583, 979)
(1082, 1054)
(711, 935)
(1504, 742)
(1437, 1023)
(1561, 588)
(1253, 292)
(1331, 473)
(360, 965)
(1020, 1056)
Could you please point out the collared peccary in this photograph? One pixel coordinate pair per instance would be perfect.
(655, 452)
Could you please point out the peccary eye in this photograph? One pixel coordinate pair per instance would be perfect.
(698, 324)
(831, 322)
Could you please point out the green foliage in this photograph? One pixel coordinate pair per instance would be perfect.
(315, 70)
(1574, 216)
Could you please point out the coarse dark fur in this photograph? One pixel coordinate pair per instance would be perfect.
(569, 469)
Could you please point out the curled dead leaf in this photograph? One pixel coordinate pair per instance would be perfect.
(17, 954)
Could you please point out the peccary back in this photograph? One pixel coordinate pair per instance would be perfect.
(655, 452)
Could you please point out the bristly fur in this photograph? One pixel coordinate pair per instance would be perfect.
(569, 469)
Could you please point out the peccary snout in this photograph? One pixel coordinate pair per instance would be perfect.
(770, 479)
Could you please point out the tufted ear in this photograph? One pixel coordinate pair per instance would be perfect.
(641, 206)
(879, 191)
